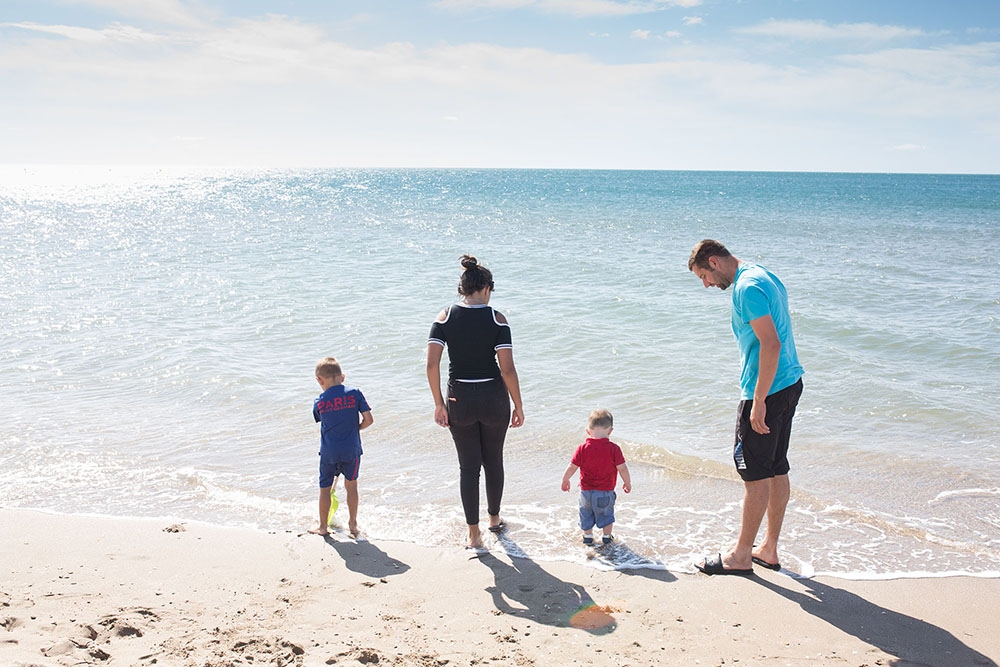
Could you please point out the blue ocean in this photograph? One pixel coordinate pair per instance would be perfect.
(160, 328)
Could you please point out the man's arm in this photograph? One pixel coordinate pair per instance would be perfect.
(767, 368)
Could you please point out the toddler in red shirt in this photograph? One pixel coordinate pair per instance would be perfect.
(599, 461)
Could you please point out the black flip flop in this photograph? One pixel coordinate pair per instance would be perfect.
(714, 565)
(764, 563)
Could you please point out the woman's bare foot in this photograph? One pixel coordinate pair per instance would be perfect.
(475, 538)
(319, 531)
(353, 530)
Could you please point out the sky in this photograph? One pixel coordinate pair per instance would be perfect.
(770, 85)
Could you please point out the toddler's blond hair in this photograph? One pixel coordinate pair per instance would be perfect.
(600, 419)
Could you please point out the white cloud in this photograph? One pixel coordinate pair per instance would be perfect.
(640, 34)
(573, 7)
(692, 20)
(822, 31)
(672, 34)
(960, 83)
(173, 12)
(942, 62)
(308, 98)
(116, 32)
(278, 51)
(483, 4)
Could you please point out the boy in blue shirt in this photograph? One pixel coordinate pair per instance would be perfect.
(343, 413)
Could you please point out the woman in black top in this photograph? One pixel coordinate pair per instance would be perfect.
(482, 382)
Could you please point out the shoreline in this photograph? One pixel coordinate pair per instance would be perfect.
(623, 561)
(109, 591)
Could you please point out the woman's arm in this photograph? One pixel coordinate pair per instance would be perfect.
(434, 352)
(505, 357)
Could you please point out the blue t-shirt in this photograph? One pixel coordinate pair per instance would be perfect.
(758, 292)
(339, 409)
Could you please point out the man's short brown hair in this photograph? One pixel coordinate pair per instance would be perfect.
(703, 251)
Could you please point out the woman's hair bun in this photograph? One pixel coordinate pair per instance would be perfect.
(475, 276)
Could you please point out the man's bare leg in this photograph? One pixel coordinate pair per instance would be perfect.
(777, 502)
(756, 496)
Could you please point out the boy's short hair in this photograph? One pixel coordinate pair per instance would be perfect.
(328, 367)
(600, 419)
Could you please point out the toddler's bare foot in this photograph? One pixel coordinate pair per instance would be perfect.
(319, 531)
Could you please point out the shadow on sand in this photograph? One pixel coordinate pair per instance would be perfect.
(542, 597)
(366, 558)
(913, 641)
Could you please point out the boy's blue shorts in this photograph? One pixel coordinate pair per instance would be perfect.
(597, 508)
(329, 471)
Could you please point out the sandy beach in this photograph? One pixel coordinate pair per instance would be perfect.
(96, 591)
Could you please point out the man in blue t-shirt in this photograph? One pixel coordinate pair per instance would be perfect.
(771, 384)
(343, 413)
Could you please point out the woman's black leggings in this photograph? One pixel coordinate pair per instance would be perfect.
(478, 417)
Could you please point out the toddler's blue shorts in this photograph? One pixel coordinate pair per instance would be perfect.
(597, 508)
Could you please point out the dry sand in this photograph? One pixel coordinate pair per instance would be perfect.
(95, 591)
